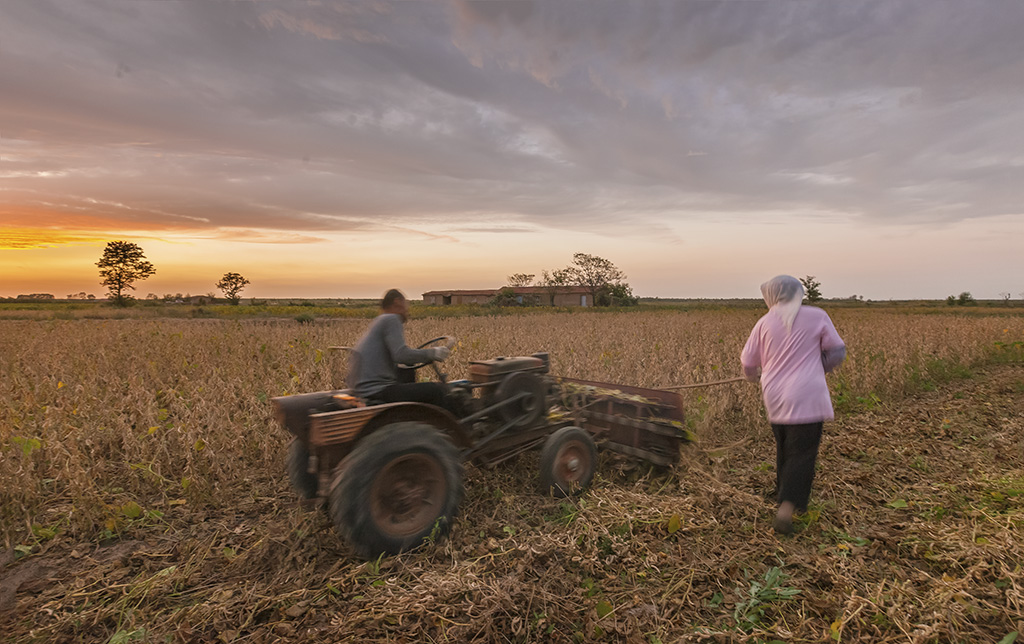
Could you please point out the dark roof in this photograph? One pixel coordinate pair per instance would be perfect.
(518, 290)
(486, 291)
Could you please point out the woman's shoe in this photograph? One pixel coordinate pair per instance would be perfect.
(783, 526)
(784, 518)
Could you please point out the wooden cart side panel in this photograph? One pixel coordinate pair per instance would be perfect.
(670, 402)
(633, 427)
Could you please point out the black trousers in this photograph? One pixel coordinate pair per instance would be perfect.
(432, 393)
(796, 452)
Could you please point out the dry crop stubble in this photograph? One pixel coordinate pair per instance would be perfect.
(100, 413)
(134, 417)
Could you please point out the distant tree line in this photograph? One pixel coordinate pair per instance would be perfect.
(36, 296)
(124, 263)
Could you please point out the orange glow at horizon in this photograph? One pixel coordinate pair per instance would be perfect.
(49, 226)
(25, 238)
(729, 261)
(27, 227)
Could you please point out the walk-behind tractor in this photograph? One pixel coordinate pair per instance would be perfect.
(391, 474)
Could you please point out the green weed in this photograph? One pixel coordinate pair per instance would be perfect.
(759, 597)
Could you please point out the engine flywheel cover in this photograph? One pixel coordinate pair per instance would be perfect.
(527, 410)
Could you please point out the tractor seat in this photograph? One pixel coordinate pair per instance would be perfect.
(345, 399)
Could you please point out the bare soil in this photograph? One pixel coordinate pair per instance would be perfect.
(913, 535)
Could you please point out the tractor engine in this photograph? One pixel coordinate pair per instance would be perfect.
(523, 378)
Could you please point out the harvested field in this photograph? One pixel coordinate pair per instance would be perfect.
(144, 499)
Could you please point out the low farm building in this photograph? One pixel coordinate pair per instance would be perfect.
(528, 295)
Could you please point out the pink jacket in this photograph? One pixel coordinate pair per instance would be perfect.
(792, 365)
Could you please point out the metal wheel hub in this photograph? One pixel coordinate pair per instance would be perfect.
(570, 464)
(407, 494)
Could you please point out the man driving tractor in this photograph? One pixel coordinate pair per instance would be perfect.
(375, 361)
(392, 474)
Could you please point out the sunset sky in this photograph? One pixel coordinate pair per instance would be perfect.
(328, 149)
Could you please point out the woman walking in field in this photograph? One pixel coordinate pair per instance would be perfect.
(790, 349)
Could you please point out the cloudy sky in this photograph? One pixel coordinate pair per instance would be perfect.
(329, 149)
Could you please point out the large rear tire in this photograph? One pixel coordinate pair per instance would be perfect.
(567, 462)
(304, 483)
(401, 486)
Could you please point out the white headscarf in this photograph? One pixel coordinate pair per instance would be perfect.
(783, 295)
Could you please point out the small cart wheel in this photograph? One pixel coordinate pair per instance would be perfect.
(304, 483)
(401, 487)
(567, 462)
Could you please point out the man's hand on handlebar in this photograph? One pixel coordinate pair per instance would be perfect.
(439, 354)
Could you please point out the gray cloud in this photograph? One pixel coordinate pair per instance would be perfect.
(595, 116)
(492, 229)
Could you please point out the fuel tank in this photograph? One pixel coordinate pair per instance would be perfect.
(492, 371)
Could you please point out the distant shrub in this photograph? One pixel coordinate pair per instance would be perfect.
(504, 297)
(616, 295)
(304, 318)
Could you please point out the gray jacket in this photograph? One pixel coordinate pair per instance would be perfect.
(374, 359)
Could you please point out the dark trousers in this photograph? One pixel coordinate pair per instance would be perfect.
(431, 393)
(796, 452)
